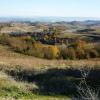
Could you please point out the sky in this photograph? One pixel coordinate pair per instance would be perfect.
(62, 8)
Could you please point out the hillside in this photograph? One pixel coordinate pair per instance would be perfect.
(8, 57)
(47, 61)
(10, 60)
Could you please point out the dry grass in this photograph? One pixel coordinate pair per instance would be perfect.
(8, 57)
(17, 28)
(11, 59)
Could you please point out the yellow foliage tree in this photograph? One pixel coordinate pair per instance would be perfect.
(51, 52)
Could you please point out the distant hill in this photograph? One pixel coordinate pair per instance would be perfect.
(48, 19)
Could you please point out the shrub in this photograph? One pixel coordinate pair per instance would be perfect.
(36, 50)
(68, 53)
(29, 46)
(97, 48)
(78, 44)
(64, 53)
(5, 39)
(51, 52)
(80, 53)
(71, 53)
(93, 53)
(18, 45)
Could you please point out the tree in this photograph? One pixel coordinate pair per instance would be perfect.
(80, 53)
(84, 90)
(67, 53)
(51, 52)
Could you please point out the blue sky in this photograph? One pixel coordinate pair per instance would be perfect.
(65, 8)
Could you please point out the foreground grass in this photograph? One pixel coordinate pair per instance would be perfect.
(52, 84)
(9, 88)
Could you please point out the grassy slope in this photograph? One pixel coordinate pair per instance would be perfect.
(8, 57)
(17, 28)
(11, 88)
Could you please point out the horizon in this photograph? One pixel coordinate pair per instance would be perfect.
(46, 19)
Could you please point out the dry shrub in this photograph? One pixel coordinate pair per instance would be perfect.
(18, 45)
(51, 52)
(68, 53)
(5, 39)
(26, 45)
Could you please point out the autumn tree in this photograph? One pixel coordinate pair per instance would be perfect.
(51, 52)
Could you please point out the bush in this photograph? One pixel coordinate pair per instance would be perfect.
(5, 39)
(51, 52)
(64, 53)
(68, 53)
(93, 53)
(36, 50)
(29, 46)
(80, 53)
(71, 53)
(97, 48)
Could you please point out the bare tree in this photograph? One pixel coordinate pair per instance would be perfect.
(85, 92)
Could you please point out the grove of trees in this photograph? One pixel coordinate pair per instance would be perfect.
(28, 46)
